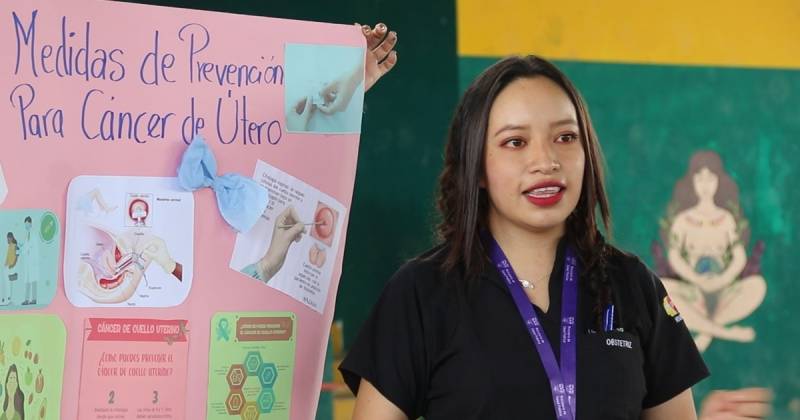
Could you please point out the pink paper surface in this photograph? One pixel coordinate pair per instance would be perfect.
(133, 368)
(38, 170)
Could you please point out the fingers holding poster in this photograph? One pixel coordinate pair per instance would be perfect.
(129, 242)
(31, 366)
(292, 248)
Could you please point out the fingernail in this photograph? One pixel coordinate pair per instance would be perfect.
(381, 27)
(365, 28)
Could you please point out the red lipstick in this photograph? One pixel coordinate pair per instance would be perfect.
(546, 194)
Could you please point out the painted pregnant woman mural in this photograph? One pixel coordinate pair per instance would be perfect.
(705, 266)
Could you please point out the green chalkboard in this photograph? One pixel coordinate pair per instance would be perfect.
(652, 120)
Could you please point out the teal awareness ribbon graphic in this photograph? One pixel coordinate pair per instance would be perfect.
(223, 330)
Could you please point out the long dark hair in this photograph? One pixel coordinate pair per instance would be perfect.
(464, 204)
(19, 397)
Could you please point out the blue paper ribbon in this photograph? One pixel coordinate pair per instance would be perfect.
(241, 200)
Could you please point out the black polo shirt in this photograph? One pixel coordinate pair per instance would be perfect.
(438, 349)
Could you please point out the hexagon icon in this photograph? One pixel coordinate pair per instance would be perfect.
(266, 400)
(250, 411)
(252, 362)
(236, 376)
(234, 402)
(267, 375)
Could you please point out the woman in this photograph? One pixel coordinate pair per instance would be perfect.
(14, 400)
(473, 328)
(707, 252)
(12, 257)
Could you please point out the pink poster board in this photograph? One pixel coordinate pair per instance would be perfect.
(133, 368)
(155, 77)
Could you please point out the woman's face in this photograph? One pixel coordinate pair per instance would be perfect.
(705, 183)
(534, 159)
(11, 384)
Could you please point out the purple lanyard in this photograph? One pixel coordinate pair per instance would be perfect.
(562, 379)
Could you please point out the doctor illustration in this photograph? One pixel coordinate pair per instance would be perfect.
(29, 253)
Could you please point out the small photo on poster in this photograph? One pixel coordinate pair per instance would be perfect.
(134, 369)
(31, 366)
(251, 365)
(30, 251)
(293, 247)
(324, 88)
(129, 242)
(138, 213)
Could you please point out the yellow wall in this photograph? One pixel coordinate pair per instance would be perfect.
(687, 32)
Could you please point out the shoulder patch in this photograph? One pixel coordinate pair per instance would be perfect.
(671, 309)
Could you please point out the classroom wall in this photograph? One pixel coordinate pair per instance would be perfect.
(665, 83)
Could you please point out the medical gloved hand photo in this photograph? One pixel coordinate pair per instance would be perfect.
(155, 249)
(297, 118)
(288, 230)
(379, 59)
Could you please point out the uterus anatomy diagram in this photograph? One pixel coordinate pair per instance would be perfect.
(323, 230)
(113, 264)
(129, 241)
